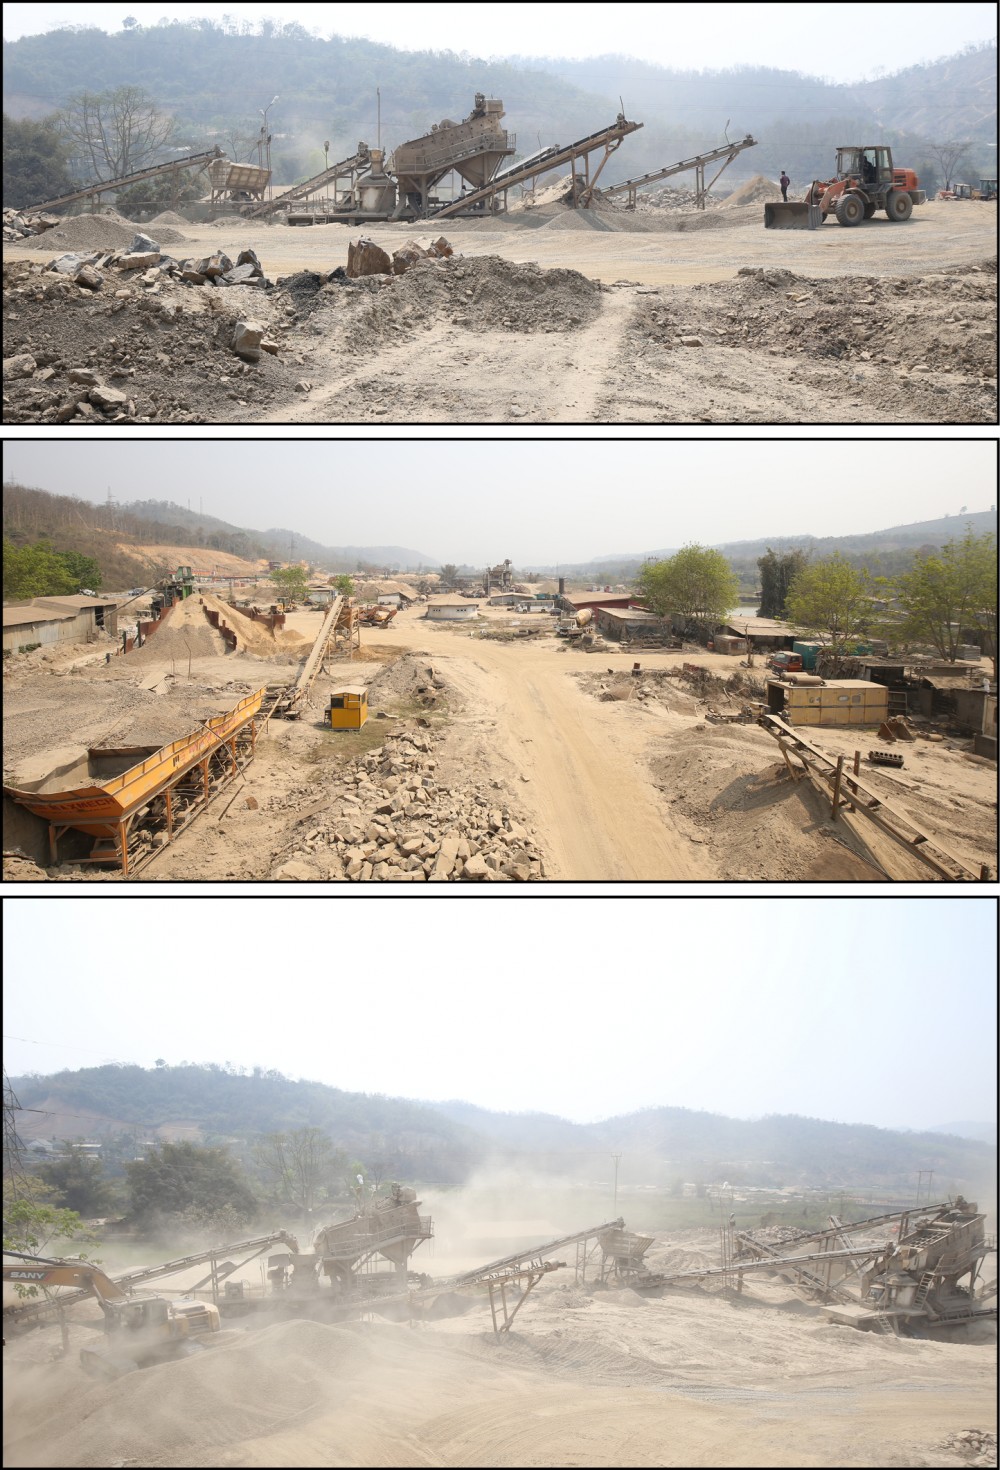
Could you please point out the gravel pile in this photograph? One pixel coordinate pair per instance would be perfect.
(390, 820)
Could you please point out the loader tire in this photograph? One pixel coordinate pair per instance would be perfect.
(898, 205)
(850, 209)
(869, 210)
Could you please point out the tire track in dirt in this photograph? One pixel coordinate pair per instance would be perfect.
(449, 374)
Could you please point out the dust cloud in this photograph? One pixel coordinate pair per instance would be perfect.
(588, 1375)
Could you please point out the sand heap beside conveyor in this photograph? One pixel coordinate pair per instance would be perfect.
(757, 190)
(186, 630)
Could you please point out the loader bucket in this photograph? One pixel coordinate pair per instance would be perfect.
(797, 215)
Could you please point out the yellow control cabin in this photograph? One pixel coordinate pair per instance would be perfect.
(348, 707)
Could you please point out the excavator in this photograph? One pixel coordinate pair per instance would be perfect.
(139, 1331)
(376, 617)
(864, 182)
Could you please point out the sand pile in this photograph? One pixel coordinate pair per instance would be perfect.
(757, 190)
(736, 793)
(550, 193)
(167, 220)
(187, 623)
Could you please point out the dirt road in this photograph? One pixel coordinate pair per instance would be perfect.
(587, 784)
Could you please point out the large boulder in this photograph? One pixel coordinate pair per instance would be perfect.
(246, 340)
(365, 258)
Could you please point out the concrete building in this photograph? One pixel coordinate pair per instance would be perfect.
(444, 611)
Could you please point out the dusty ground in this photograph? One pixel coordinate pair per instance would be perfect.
(604, 789)
(551, 317)
(584, 1378)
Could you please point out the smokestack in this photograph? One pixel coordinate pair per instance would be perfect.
(562, 586)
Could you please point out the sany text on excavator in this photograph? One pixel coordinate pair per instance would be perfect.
(865, 181)
(138, 1330)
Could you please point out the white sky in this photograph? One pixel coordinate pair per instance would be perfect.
(870, 1010)
(532, 501)
(844, 41)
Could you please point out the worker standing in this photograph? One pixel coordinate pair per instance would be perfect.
(784, 181)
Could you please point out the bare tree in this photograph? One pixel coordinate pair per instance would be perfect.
(115, 133)
(300, 1163)
(239, 138)
(948, 156)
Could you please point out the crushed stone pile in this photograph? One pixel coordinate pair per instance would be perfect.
(668, 196)
(390, 819)
(486, 292)
(85, 232)
(937, 333)
(18, 225)
(757, 190)
(152, 350)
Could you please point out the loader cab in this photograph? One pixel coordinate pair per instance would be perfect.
(871, 166)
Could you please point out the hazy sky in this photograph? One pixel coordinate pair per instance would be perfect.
(848, 41)
(530, 501)
(871, 1010)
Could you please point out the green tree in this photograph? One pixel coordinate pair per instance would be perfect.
(344, 585)
(181, 1176)
(698, 584)
(35, 167)
(949, 591)
(35, 571)
(777, 572)
(833, 598)
(291, 582)
(449, 576)
(35, 1226)
(78, 1182)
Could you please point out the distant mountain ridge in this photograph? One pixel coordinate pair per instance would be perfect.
(449, 1141)
(894, 538)
(198, 70)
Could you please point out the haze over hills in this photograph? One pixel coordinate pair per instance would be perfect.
(895, 538)
(201, 70)
(105, 531)
(448, 1141)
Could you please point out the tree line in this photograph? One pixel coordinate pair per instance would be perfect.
(943, 594)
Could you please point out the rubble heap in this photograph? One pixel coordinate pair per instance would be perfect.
(392, 821)
(17, 226)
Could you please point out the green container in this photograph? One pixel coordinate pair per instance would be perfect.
(808, 652)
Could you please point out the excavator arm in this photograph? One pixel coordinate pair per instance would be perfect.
(91, 1279)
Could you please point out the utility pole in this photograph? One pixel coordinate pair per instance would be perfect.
(616, 1157)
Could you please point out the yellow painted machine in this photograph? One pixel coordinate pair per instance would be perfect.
(348, 708)
(138, 1330)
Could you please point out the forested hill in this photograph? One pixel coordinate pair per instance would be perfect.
(104, 531)
(449, 1141)
(890, 550)
(215, 75)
